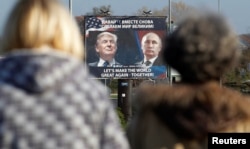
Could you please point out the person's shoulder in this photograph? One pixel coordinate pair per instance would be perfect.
(93, 64)
(138, 63)
(117, 64)
(158, 62)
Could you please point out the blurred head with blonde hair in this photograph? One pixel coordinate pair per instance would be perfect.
(42, 24)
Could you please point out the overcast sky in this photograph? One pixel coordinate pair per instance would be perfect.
(237, 11)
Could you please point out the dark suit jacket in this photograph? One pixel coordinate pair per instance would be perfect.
(157, 62)
(94, 64)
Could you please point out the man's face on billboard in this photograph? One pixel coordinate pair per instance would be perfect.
(151, 45)
(106, 46)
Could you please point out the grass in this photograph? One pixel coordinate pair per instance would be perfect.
(114, 96)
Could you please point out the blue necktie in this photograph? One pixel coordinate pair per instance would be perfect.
(106, 63)
(147, 63)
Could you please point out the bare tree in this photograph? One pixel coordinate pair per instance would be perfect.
(100, 11)
(81, 24)
(178, 10)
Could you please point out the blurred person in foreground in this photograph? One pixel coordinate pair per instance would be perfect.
(46, 97)
(201, 49)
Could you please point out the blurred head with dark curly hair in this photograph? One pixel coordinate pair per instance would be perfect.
(202, 48)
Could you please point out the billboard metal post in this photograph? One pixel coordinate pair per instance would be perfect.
(124, 97)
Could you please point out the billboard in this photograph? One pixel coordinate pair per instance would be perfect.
(125, 47)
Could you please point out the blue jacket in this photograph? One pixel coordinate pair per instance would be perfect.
(47, 101)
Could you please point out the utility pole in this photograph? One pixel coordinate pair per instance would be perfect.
(70, 7)
(218, 6)
(221, 82)
(169, 32)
